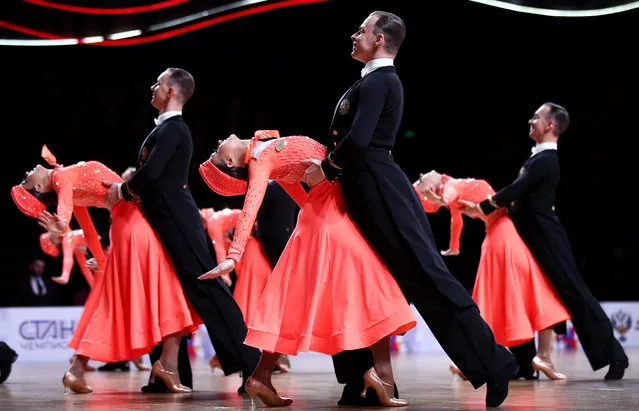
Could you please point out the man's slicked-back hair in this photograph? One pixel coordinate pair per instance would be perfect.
(183, 81)
(393, 29)
(559, 115)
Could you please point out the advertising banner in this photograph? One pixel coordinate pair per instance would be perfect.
(42, 333)
(39, 333)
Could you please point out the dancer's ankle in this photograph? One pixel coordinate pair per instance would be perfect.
(264, 378)
(545, 356)
(169, 364)
(77, 369)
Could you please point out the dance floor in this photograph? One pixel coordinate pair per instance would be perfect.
(424, 380)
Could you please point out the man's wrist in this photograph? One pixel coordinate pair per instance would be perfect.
(125, 192)
(331, 162)
(330, 173)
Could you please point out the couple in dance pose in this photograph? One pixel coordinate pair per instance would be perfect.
(359, 214)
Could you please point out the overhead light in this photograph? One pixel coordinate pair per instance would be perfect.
(215, 15)
(124, 34)
(204, 13)
(39, 42)
(557, 12)
(92, 39)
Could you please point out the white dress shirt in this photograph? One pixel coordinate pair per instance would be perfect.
(543, 146)
(36, 283)
(374, 64)
(165, 116)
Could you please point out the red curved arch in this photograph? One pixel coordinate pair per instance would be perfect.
(99, 10)
(205, 23)
(166, 34)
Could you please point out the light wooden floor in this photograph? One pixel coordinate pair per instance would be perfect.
(424, 380)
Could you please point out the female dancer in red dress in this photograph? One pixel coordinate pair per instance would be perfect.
(252, 271)
(512, 293)
(329, 291)
(249, 287)
(136, 299)
(218, 226)
(73, 244)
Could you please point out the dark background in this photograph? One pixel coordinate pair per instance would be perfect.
(473, 75)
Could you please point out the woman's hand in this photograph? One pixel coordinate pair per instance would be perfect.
(224, 268)
(92, 264)
(449, 252)
(313, 175)
(52, 223)
(428, 184)
(435, 199)
(60, 280)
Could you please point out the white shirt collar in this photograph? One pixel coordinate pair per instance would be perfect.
(165, 116)
(543, 146)
(35, 280)
(375, 64)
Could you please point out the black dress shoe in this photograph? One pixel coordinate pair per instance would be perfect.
(7, 358)
(159, 387)
(358, 400)
(115, 366)
(156, 387)
(497, 386)
(351, 396)
(616, 370)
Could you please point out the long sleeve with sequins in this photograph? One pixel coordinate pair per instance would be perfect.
(452, 190)
(68, 246)
(216, 236)
(456, 220)
(82, 260)
(72, 244)
(468, 189)
(258, 181)
(450, 195)
(80, 186)
(217, 225)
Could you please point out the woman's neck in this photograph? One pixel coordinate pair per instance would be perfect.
(48, 179)
(245, 146)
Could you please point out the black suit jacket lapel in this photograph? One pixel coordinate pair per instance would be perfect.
(144, 145)
(340, 101)
(152, 133)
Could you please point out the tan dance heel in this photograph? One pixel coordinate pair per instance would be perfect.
(372, 380)
(71, 382)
